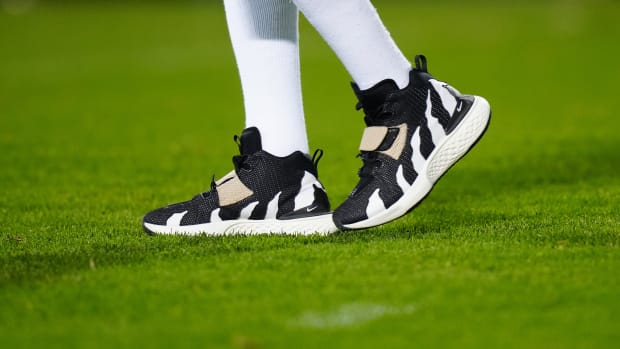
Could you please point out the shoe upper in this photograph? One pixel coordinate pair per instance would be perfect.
(262, 186)
(403, 128)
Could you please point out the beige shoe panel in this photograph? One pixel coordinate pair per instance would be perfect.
(231, 190)
(374, 135)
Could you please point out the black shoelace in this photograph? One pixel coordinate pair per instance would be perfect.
(239, 161)
(371, 162)
(371, 115)
(380, 111)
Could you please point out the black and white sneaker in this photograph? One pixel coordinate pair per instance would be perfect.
(263, 194)
(413, 136)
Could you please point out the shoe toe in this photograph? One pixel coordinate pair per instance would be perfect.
(157, 217)
(348, 213)
(160, 216)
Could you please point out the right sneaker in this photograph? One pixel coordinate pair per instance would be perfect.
(263, 194)
(413, 136)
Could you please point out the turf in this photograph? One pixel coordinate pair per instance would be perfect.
(108, 111)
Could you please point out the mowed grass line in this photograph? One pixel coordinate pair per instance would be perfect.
(108, 111)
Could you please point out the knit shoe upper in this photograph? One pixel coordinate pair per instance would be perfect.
(263, 194)
(413, 136)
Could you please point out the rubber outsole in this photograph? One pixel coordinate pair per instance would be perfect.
(453, 148)
(320, 224)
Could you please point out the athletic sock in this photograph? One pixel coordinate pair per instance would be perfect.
(353, 29)
(264, 35)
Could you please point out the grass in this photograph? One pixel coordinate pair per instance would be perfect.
(108, 111)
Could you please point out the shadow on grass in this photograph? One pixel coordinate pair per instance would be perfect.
(35, 265)
(445, 219)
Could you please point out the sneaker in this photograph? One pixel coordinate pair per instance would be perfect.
(263, 194)
(413, 136)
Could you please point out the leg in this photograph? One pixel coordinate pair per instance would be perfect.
(353, 29)
(264, 36)
(274, 187)
(418, 127)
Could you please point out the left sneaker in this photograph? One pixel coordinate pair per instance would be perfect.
(413, 136)
(263, 194)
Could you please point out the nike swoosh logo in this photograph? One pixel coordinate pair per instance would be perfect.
(310, 209)
(459, 106)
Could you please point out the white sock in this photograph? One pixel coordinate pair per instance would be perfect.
(264, 35)
(353, 29)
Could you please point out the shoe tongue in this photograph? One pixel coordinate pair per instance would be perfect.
(250, 142)
(375, 96)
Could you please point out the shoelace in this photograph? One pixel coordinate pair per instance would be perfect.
(239, 161)
(384, 110)
(370, 162)
(381, 111)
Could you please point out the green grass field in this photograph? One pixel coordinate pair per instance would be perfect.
(108, 111)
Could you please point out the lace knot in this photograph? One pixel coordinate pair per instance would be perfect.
(371, 162)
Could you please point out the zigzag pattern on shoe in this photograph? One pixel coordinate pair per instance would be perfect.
(263, 194)
(413, 136)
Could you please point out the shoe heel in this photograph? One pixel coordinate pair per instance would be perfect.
(461, 140)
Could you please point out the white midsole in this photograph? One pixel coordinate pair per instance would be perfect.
(445, 154)
(322, 224)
